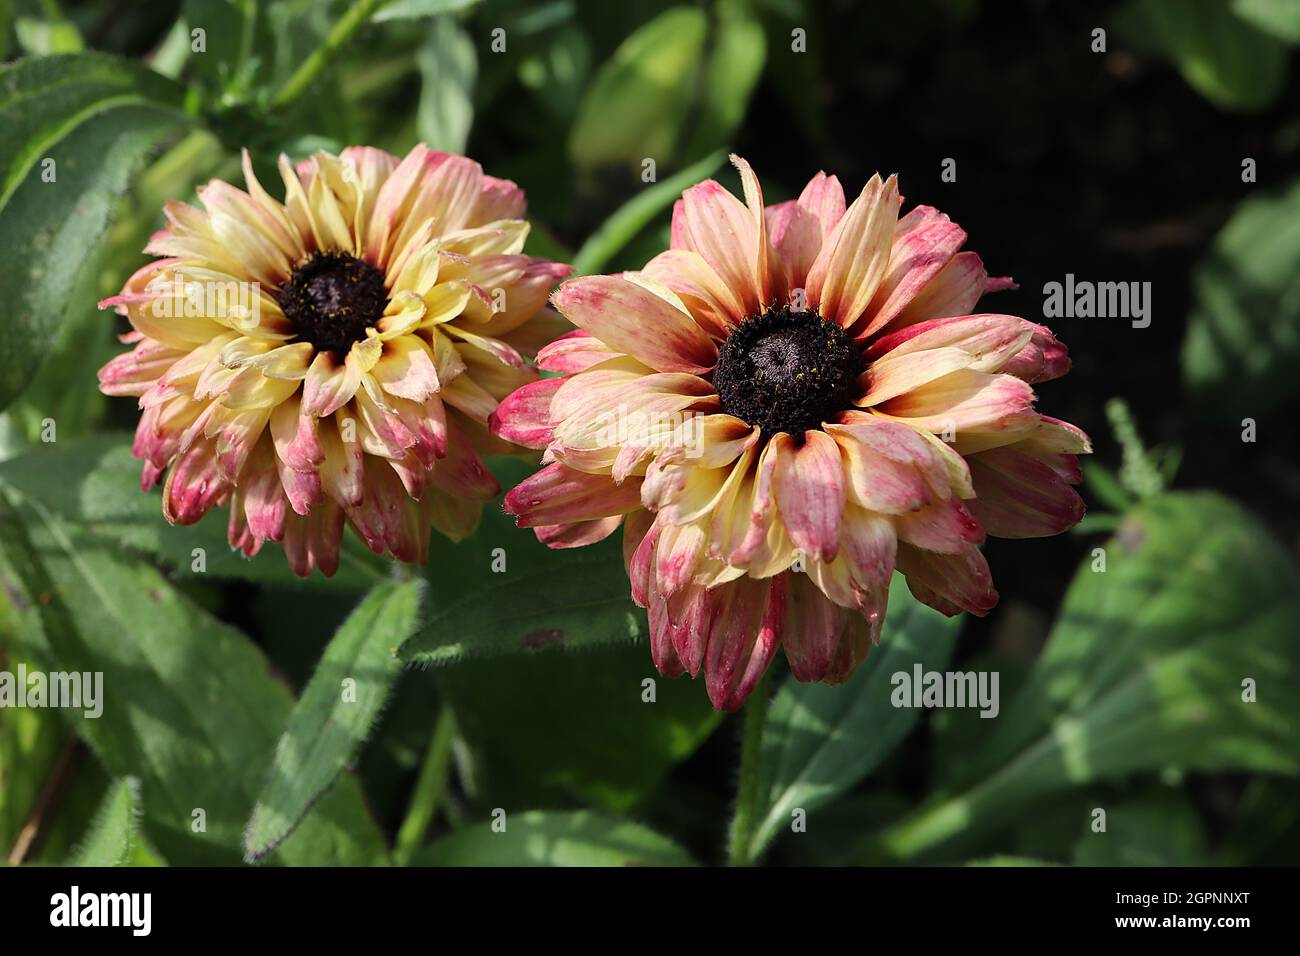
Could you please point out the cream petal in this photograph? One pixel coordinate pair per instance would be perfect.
(954, 290)
(855, 256)
(924, 242)
(630, 319)
(715, 307)
(982, 410)
(720, 228)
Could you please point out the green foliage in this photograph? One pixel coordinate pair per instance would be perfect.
(88, 120)
(448, 67)
(651, 84)
(648, 84)
(189, 705)
(534, 695)
(503, 592)
(1158, 828)
(94, 485)
(1281, 18)
(114, 830)
(1146, 670)
(555, 725)
(637, 213)
(334, 714)
(821, 741)
(555, 839)
(1222, 55)
(1243, 337)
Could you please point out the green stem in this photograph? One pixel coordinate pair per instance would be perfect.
(305, 75)
(742, 824)
(247, 35)
(428, 789)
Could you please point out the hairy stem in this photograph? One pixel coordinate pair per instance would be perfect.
(428, 789)
(742, 824)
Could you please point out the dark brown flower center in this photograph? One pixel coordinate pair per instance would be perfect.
(332, 299)
(787, 371)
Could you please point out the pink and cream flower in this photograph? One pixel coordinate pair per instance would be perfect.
(333, 358)
(810, 405)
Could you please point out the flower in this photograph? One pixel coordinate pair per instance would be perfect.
(333, 358)
(789, 404)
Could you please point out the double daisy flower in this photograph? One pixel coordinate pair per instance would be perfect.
(786, 406)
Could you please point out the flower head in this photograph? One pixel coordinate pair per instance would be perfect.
(333, 358)
(789, 404)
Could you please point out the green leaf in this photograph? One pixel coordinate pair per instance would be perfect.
(45, 37)
(1223, 57)
(821, 740)
(735, 63)
(112, 833)
(1243, 337)
(94, 484)
(1280, 18)
(76, 128)
(412, 9)
(188, 704)
(1158, 827)
(637, 213)
(30, 738)
(638, 99)
(563, 713)
(537, 838)
(1106, 487)
(448, 68)
(502, 592)
(552, 725)
(335, 713)
(1016, 861)
(1146, 670)
(557, 73)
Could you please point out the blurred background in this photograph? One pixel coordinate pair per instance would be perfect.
(1163, 149)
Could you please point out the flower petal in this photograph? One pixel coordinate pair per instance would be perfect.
(853, 260)
(924, 242)
(560, 495)
(714, 305)
(744, 636)
(954, 290)
(809, 486)
(524, 416)
(949, 583)
(1021, 496)
(631, 319)
(720, 228)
